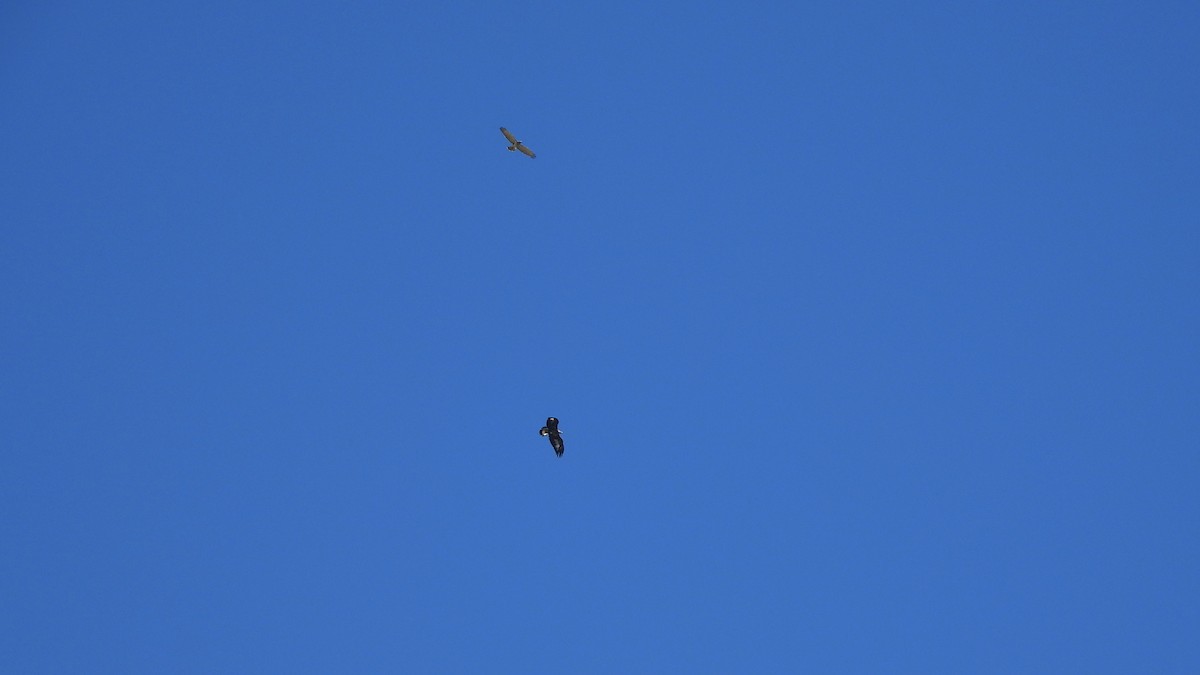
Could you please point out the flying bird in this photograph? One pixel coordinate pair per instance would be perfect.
(551, 430)
(516, 145)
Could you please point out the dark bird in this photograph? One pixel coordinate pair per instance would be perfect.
(551, 430)
(516, 145)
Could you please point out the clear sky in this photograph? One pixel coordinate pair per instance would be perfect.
(872, 327)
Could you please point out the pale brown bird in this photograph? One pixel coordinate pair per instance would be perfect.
(516, 145)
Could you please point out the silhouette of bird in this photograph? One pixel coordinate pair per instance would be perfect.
(551, 430)
(516, 145)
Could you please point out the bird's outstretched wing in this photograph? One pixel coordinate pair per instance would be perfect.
(526, 150)
(511, 139)
(551, 430)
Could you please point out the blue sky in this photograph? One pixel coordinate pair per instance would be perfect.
(872, 329)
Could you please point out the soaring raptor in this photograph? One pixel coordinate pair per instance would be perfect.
(516, 145)
(551, 430)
